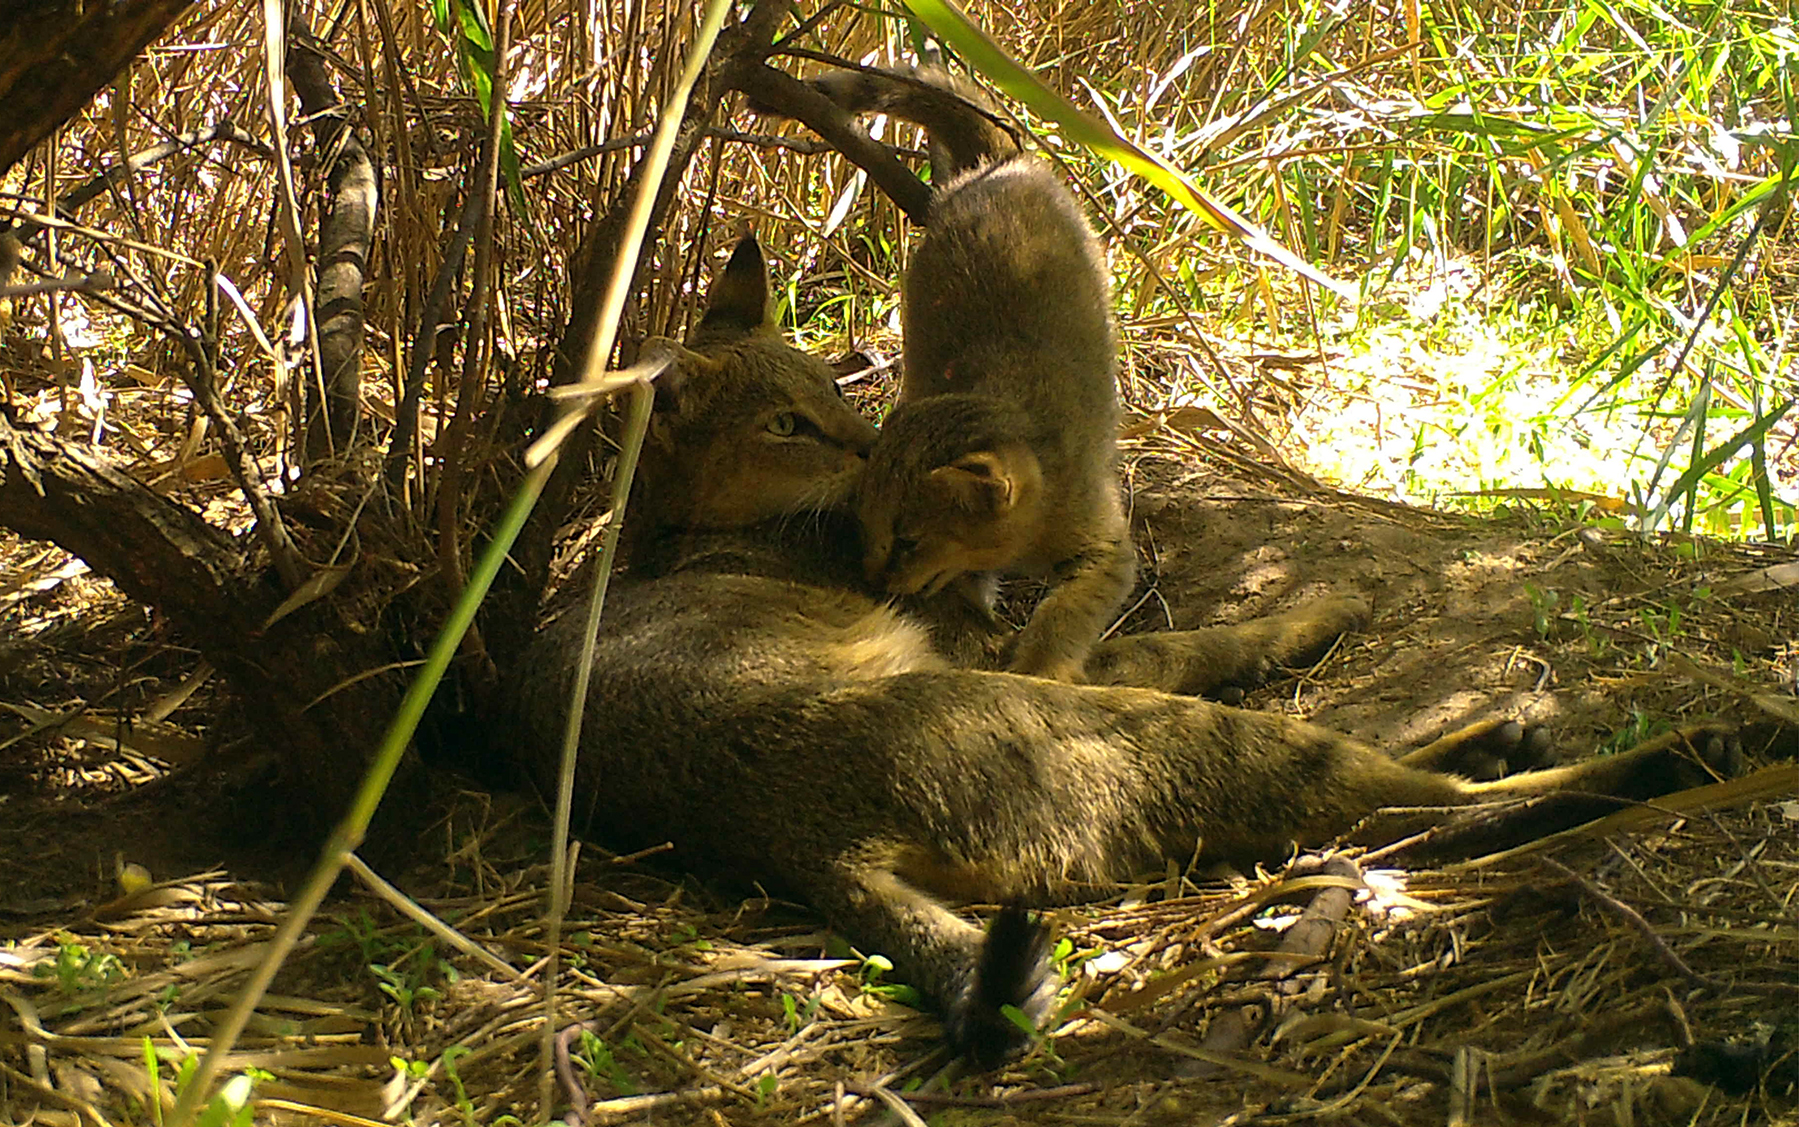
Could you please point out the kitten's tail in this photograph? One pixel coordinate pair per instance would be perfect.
(964, 128)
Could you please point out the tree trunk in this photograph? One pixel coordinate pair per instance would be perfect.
(300, 675)
(55, 54)
(319, 684)
(346, 233)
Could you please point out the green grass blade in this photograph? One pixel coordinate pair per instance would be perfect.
(348, 833)
(1751, 434)
(1696, 458)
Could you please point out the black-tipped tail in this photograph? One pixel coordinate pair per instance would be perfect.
(1013, 970)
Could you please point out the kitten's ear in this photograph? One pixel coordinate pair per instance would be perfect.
(982, 482)
(739, 298)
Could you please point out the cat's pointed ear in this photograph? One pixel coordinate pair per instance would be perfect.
(982, 482)
(739, 298)
(684, 366)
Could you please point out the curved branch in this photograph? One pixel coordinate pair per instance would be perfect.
(637, 140)
(789, 97)
(158, 552)
(73, 200)
(312, 702)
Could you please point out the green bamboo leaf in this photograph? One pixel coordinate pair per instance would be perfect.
(472, 38)
(1758, 450)
(1697, 458)
(1749, 199)
(952, 25)
(1753, 433)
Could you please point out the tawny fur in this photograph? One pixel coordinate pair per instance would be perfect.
(1000, 455)
(753, 704)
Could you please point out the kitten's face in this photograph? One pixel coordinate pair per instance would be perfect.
(925, 523)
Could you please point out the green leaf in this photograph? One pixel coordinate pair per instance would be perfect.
(153, 1073)
(1713, 458)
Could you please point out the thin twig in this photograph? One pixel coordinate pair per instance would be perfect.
(1635, 919)
(1008, 1099)
(788, 96)
(412, 910)
(637, 140)
(605, 331)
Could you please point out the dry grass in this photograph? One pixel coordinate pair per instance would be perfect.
(1515, 987)
(1476, 231)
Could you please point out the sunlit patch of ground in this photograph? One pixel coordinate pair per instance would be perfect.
(1444, 392)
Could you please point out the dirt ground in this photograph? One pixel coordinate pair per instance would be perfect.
(1506, 990)
(1534, 614)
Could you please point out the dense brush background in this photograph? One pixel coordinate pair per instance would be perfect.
(1568, 222)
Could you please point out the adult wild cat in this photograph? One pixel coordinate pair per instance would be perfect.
(754, 705)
